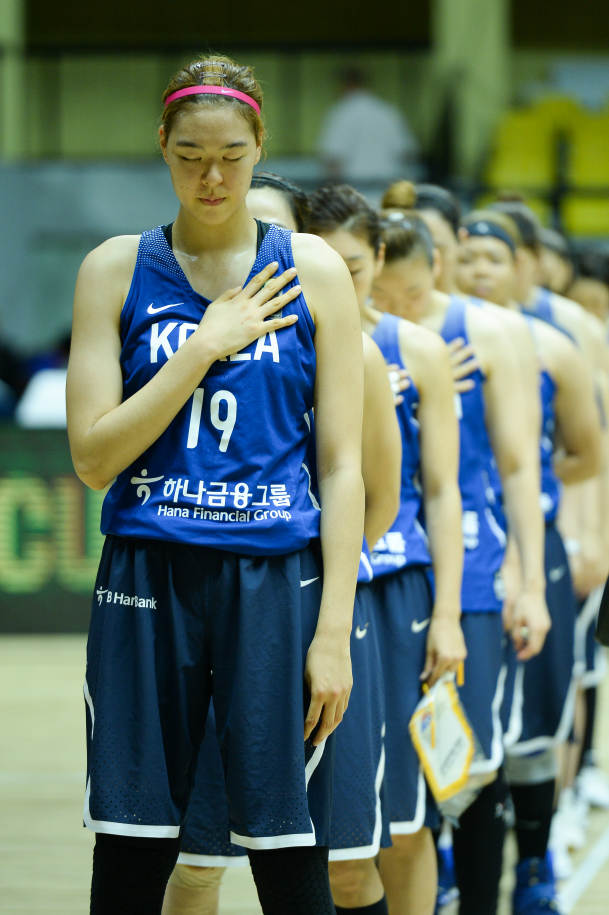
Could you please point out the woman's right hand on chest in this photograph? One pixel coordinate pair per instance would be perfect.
(240, 316)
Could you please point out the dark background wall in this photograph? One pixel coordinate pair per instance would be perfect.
(64, 24)
(561, 24)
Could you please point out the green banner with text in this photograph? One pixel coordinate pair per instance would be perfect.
(50, 542)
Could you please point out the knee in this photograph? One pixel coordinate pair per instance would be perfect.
(411, 845)
(197, 877)
(348, 879)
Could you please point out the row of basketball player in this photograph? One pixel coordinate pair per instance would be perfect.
(484, 399)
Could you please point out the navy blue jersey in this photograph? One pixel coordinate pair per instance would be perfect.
(543, 309)
(229, 471)
(484, 537)
(406, 542)
(550, 484)
(542, 306)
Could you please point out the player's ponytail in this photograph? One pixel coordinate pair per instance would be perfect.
(401, 195)
(404, 233)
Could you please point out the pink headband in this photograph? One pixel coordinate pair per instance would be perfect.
(213, 90)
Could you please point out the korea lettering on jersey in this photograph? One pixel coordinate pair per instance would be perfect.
(231, 469)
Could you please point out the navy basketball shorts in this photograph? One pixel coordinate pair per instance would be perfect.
(206, 831)
(590, 658)
(404, 607)
(359, 823)
(483, 687)
(360, 817)
(171, 625)
(541, 705)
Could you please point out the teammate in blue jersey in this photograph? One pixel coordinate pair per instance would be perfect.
(196, 402)
(584, 520)
(357, 828)
(492, 423)
(541, 710)
(420, 637)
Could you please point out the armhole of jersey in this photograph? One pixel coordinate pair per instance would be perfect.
(305, 308)
(125, 310)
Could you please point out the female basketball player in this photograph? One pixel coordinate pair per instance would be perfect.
(441, 213)
(276, 200)
(542, 706)
(492, 411)
(584, 517)
(197, 401)
(410, 651)
(359, 816)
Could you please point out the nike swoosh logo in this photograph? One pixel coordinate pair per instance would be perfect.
(419, 627)
(309, 581)
(154, 311)
(360, 633)
(556, 574)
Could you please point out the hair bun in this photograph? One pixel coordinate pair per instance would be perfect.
(510, 196)
(401, 195)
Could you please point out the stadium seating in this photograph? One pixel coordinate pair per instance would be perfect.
(555, 141)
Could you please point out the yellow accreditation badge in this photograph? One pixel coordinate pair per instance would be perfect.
(443, 738)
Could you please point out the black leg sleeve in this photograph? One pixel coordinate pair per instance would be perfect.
(293, 880)
(478, 850)
(533, 806)
(130, 874)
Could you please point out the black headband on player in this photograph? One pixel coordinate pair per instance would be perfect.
(484, 229)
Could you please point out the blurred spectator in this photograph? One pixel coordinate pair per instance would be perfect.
(364, 137)
(43, 404)
(555, 262)
(591, 287)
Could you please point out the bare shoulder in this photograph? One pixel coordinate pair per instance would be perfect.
(323, 275)
(574, 318)
(485, 328)
(484, 320)
(508, 317)
(316, 260)
(557, 349)
(117, 254)
(416, 339)
(374, 362)
(104, 280)
(424, 352)
(567, 308)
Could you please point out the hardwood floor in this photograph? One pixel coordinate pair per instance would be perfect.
(45, 854)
